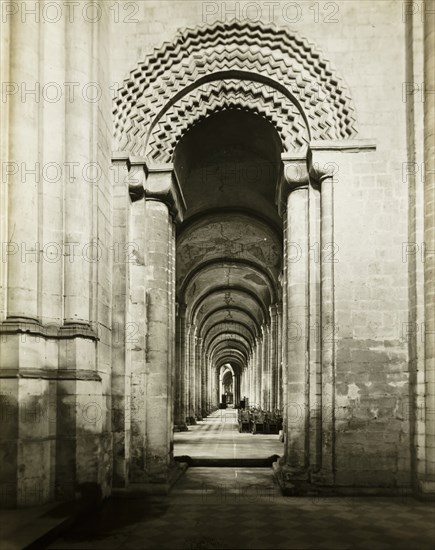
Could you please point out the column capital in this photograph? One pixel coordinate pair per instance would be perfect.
(273, 310)
(162, 185)
(295, 175)
(136, 178)
(152, 181)
(323, 164)
(181, 309)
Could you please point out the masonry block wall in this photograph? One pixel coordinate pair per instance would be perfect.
(56, 308)
(73, 292)
(372, 397)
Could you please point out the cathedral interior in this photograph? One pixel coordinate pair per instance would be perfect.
(218, 275)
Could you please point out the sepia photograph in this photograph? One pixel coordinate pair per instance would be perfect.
(217, 275)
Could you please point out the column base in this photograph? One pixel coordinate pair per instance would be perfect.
(323, 478)
(139, 490)
(190, 421)
(181, 427)
(74, 330)
(292, 482)
(426, 489)
(16, 319)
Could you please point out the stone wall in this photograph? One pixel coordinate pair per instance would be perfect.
(371, 211)
(71, 371)
(56, 268)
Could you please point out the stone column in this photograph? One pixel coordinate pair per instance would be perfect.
(79, 391)
(273, 367)
(186, 369)
(192, 374)
(210, 403)
(243, 379)
(284, 324)
(137, 318)
(78, 189)
(251, 377)
(187, 377)
(328, 328)
(163, 206)
(24, 431)
(247, 375)
(428, 484)
(279, 358)
(325, 180)
(159, 368)
(217, 378)
(51, 216)
(221, 386)
(198, 378)
(315, 382)
(121, 354)
(294, 463)
(297, 327)
(172, 317)
(204, 381)
(236, 389)
(265, 370)
(258, 370)
(23, 180)
(180, 409)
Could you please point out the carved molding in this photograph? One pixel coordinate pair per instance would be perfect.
(36, 329)
(236, 50)
(50, 374)
(294, 176)
(224, 95)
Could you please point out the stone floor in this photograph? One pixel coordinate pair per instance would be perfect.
(229, 508)
(217, 436)
(242, 508)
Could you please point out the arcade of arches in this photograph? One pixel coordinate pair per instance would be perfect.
(250, 246)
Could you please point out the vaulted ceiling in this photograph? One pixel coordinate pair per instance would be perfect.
(229, 248)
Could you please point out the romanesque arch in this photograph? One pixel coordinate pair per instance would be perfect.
(239, 305)
(239, 65)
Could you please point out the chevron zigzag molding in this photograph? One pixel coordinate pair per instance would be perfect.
(260, 68)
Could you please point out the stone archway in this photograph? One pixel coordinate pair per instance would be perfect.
(280, 78)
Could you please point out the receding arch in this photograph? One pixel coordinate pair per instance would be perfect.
(225, 338)
(232, 357)
(213, 321)
(228, 342)
(225, 91)
(223, 288)
(239, 300)
(239, 309)
(208, 341)
(229, 263)
(224, 236)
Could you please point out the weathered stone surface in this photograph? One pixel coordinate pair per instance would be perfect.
(264, 231)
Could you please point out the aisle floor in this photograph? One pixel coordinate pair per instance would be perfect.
(242, 508)
(230, 508)
(217, 436)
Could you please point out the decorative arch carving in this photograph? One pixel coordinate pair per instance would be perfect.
(283, 59)
(261, 100)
